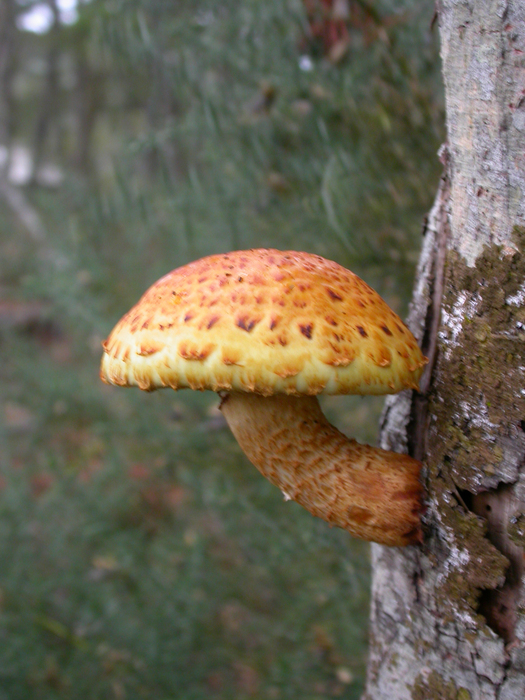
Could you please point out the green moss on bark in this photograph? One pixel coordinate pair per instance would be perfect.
(481, 367)
(475, 412)
(433, 686)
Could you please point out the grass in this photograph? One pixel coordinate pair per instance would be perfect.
(141, 555)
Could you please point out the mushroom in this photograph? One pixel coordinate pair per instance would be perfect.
(269, 330)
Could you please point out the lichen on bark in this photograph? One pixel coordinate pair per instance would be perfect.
(481, 369)
(475, 437)
(432, 686)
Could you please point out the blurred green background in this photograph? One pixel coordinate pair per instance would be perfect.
(141, 555)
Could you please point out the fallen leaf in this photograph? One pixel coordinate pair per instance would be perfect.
(17, 417)
(175, 496)
(105, 562)
(344, 675)
(248, 680)
(139, 472)
(22, 314)
(40, 483)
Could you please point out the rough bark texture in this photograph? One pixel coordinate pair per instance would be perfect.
(448, 618)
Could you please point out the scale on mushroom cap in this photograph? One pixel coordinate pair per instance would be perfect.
(269, 330)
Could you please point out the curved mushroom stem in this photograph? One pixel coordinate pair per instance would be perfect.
(374, 494)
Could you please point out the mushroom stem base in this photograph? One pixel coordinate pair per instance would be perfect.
(374, 494)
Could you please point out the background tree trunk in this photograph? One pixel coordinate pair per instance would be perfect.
(49, 101)
(7, 51)
(448, 618)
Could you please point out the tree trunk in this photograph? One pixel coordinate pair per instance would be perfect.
(49, 101)
(88, 104)
(7, 51)
(448, 618)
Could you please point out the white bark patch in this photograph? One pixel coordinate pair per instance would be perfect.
(484, 74)
(466, 306)
(478, 417)
(518, 121)
(458, 559)
(517, 299)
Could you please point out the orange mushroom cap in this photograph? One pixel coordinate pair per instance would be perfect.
(264, 321)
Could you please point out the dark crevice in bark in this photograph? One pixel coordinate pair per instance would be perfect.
(417, 427)
(499, 605)
(466, 498)
(418, 577)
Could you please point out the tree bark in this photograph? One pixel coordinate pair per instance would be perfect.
(448, 618)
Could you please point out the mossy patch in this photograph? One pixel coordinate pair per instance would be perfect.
(476, 411)
(433, 686)
(481, 363)
(463, 694)
(473, 565)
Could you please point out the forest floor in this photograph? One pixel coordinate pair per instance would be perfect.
(141, 556)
